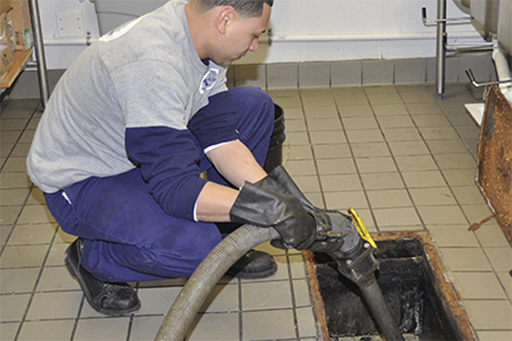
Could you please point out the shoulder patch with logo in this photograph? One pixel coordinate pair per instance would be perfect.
(209, 80)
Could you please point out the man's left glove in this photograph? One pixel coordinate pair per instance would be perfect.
(260, 205)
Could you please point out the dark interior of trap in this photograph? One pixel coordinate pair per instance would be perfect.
(413, 285)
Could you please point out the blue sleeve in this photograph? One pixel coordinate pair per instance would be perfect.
(216, 122)
(169, 161)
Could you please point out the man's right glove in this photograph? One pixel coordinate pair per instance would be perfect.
(326, 220)
(260, 205)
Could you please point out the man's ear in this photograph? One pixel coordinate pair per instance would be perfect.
(225, 17)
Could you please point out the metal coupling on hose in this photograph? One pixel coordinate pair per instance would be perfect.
(358, 262)
(360, 265)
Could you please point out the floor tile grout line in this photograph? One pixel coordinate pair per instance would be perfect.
(86, 318)
(459, 205)
(424, 140)
(393, 156)
(42, 267)
(130, 324)
(240, 311)
(399, 171)
(454, 127)
(2, 248)
(29, 303)
(470, 153)
(53, 291)
(353, 157)
(494, 270)
(20, 135)
(77, 318)
(315, 163)
(290, 283)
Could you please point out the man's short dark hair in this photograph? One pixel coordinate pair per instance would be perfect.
(248, 8)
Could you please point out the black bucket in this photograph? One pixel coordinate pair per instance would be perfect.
(275, 148)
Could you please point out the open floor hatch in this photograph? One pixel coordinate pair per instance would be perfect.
(414, 285)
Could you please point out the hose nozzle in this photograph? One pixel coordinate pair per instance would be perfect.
(356, 261)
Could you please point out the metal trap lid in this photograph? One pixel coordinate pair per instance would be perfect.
(494, 168)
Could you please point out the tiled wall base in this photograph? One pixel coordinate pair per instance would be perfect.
(360, 72)
(321, 74)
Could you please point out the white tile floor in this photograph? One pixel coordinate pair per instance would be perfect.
(401, 157)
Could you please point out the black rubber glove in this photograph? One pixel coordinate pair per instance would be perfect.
(330, 222)
(258, 204)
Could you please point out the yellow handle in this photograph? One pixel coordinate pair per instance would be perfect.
(363, 232)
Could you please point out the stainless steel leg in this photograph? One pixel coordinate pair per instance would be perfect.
(441, 48)
(39, 50)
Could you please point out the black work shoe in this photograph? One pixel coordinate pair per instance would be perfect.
(114, 299)
(253, 265)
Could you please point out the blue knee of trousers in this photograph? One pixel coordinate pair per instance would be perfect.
(255, 111)
(179, 254)
(256, 104)
(164, 255)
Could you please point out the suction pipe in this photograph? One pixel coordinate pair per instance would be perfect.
(379, 308)
(178, 320)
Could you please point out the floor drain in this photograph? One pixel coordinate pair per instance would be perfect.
(413, 283)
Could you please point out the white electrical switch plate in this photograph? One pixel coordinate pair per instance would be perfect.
(70, 24)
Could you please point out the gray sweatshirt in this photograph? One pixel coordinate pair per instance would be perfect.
(144, 74)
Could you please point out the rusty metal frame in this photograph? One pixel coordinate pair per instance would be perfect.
(494, 168)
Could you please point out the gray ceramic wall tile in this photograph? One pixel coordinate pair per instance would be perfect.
(282, 76)
(431, 70)
(314, 75)
(451, 64)
(322, 74)
(451, 69)
(410, 71)
(378, 72)
(480, 64)
(346, 73)
(254, 75)
(231, 77)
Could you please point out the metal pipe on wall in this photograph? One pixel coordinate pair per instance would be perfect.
(70, 42)
(441, 47)
(297, 38)
(302, 38)
(39, 49)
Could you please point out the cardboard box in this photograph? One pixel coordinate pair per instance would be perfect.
(4, 5)
(21, 23)
(6, 60)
